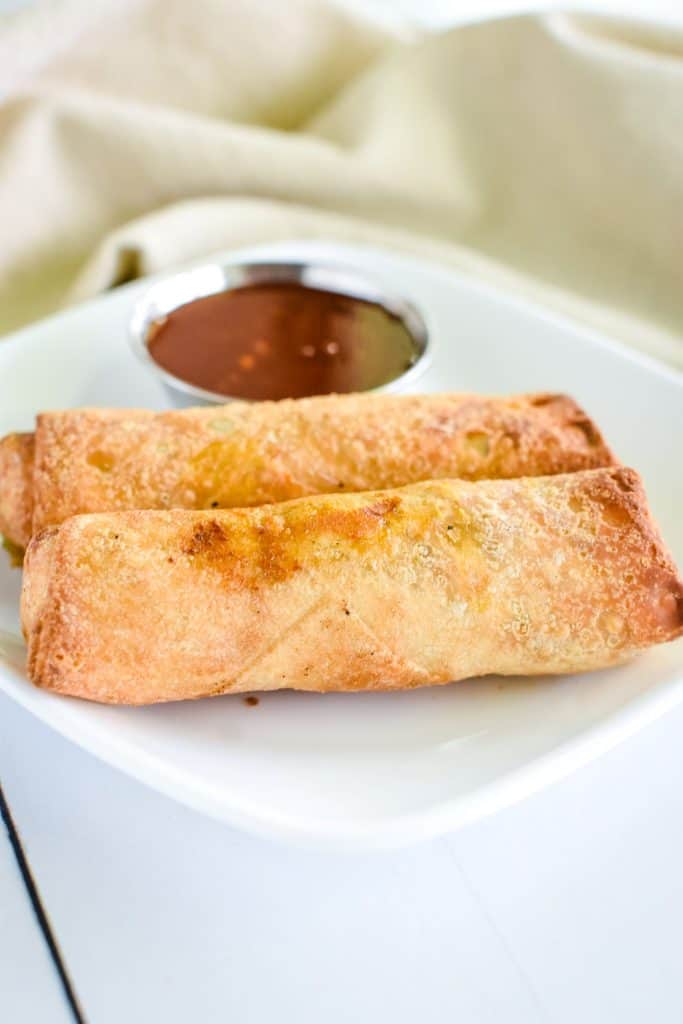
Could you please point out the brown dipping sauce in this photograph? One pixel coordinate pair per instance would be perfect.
(282, 340)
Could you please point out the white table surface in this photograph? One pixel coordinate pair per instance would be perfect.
(566, 908)
(29, 986)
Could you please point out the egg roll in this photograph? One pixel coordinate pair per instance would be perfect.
(16, 488)
(242, 454)
(421, 585)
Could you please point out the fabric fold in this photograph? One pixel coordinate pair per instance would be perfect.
(542, 153)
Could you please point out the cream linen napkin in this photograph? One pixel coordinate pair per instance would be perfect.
(543, 153)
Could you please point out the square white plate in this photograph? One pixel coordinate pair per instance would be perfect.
(370, 769)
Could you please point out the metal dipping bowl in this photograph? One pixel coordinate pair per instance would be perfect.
(179, 289)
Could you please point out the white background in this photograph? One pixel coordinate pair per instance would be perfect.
(566, 908)
(442, 13)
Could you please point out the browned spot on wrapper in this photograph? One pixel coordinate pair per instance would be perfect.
(204, 538)
(100, 460)
(356, 523)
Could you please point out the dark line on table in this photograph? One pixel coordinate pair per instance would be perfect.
(39, 909)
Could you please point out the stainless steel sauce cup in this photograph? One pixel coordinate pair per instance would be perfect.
(177, 290)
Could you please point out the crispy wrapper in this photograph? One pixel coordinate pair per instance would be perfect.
(99, 460)
(425, 584)
(16, 488)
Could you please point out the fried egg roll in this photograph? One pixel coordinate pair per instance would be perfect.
(16, 488)
(421, 585)
(96, 460)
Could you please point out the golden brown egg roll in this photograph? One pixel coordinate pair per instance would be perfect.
(430, 583)
(96, 460)
(16, 488)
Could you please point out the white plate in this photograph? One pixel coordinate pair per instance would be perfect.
(371, 769)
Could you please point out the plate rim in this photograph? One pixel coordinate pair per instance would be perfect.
(342, 834)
